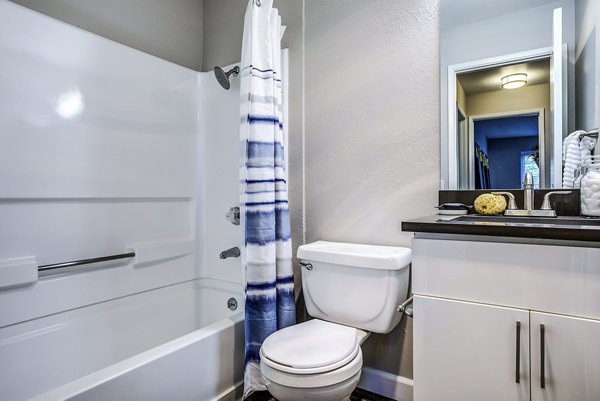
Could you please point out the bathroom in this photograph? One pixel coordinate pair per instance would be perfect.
(368, 149)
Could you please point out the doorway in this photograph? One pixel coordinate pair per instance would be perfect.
(506, 146)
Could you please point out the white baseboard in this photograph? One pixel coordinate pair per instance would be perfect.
(234, 393)
(379, 382)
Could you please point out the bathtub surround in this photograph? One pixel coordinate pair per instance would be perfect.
(270, 302)
(106, 149)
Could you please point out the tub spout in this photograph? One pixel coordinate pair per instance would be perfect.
(230, 253)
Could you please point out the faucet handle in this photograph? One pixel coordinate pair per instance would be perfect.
(512, 205)
(546, 203)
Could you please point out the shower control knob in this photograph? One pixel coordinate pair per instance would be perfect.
(233, 216)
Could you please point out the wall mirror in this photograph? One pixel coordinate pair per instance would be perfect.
(509, 89)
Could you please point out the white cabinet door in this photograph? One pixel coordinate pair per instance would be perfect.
(571, 358)
(468, 352)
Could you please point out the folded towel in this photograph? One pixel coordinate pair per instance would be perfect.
(573, 153)
(571, 165)
(567, 141)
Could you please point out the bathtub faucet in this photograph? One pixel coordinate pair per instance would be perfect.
(230, 253)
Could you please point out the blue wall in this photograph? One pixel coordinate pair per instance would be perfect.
(503, 140)
(480, 138)
(507, 127)
(505, 160)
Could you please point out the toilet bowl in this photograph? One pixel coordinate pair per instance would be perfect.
(350, 290)
(315, 360)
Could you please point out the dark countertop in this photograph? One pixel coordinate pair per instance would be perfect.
(569, 228)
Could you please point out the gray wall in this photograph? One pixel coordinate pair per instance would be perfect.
(372, 131)
(587, 76)
(224, 26)
(171, 29)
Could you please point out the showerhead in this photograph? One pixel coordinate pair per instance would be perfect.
(223, 77)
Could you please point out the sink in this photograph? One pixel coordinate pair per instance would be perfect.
(534, 221)
(564, 228)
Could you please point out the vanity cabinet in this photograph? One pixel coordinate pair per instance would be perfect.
(468, 352)
(571, 350)
(489, 316)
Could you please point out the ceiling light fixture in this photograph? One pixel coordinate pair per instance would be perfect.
(514, 81)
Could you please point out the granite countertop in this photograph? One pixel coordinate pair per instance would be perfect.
(571, 228)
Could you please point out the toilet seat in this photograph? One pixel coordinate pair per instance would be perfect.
(324, 379)
(315, 353)
(315, 346)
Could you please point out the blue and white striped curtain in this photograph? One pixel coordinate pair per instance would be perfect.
(264, 199)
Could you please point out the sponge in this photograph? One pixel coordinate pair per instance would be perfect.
(490, 204)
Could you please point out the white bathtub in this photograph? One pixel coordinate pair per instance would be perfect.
(179, 342)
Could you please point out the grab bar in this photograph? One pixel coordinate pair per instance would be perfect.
(85, 261)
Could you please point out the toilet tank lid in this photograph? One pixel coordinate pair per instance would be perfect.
(357, 255)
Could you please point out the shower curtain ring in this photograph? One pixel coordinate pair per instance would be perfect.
(258, 3)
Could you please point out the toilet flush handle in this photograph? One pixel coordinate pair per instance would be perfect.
(308, 266)
(405, 309)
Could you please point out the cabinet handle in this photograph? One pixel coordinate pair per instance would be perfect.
(542, 356)
(518, 355)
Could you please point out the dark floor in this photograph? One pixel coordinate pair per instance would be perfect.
(357, 395)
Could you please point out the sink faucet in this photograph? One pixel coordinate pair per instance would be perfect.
(528, 197)
(528, 193)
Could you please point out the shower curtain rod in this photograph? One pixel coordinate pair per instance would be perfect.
(86, 261)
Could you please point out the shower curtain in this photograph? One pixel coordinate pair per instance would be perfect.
(263, 176)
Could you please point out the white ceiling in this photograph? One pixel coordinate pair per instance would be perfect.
(538, 72)
(462, 12)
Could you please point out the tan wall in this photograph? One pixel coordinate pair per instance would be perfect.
(506, 100)
(461, 97)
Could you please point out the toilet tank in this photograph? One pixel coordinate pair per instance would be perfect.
(355, 285)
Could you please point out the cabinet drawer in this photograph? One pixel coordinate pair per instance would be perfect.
(549, 278)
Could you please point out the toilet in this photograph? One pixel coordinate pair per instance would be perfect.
(350, 290)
